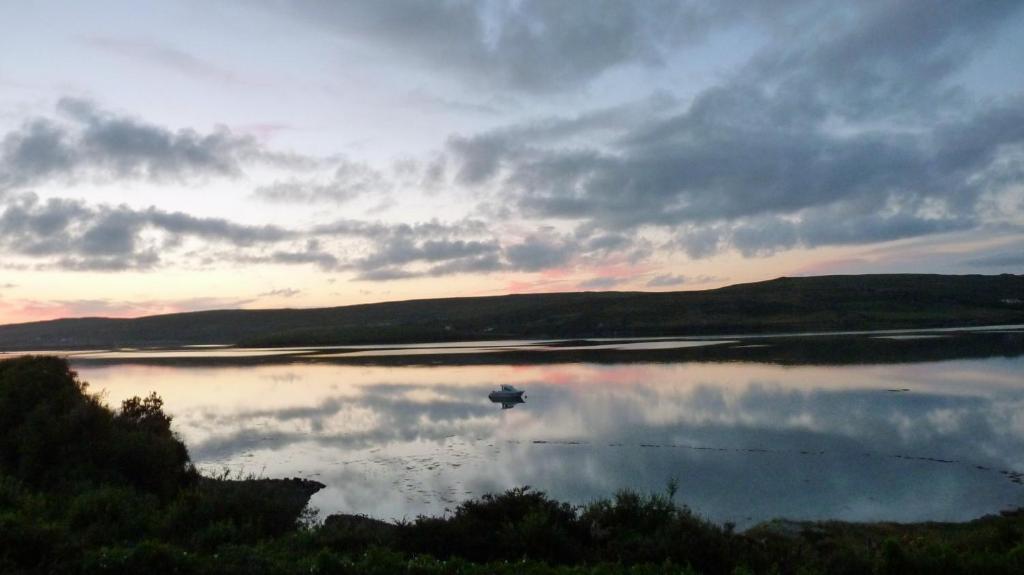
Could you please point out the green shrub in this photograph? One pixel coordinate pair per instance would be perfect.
(109, 515)
(516, 524)
(635, 528)
(55, 436)
(28, 543)
(148, 557)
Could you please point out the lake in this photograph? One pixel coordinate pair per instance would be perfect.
(902, 426)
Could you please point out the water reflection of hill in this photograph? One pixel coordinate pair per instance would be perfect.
(858, 349)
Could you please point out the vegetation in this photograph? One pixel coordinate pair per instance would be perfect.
(84, 489)
(781, 305)
(55, 436)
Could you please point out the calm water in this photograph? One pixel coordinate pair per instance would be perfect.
(938, 440)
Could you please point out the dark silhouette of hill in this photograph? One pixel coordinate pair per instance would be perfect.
(782, 305)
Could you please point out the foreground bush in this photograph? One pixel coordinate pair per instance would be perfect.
(56, 436)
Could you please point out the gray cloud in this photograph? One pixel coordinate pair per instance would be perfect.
(867, 56)
(311, 253)
(215, 228)
(402, 249)
(444, 249)
(608, 242)
(702, 166)
(535, 45)
(110, 238)
(86, 141)
(667, 280)
(1012, 259)
(72, 235)
(537, 253)
(349, 180)
(432, 249)
(409, 252)
(601, 283)
(882, 57)
(789, 152)
(482, 156)
(485, 263)
(283, 292)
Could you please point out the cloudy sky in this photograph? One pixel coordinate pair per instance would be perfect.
(167, 156)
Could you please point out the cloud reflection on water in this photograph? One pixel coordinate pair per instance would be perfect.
(747, 441)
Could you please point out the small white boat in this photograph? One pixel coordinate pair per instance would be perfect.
(507, 396)
(507, 393)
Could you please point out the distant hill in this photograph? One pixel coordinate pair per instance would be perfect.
(853, 302)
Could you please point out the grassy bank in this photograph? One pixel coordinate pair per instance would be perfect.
(88, 489)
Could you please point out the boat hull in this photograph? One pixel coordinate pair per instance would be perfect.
(499, 396)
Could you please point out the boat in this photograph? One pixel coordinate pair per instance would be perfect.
(506, 393)
(508, 396)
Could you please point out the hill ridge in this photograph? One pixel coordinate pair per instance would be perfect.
(784, 304)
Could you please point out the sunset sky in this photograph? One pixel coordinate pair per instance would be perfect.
(171, 156)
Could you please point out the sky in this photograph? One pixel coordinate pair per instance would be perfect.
(158, 157)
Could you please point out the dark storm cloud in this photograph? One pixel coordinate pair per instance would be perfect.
(858, 135)
(531, 46)
(86, 141)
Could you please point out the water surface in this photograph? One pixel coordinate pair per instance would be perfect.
(747, 440)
